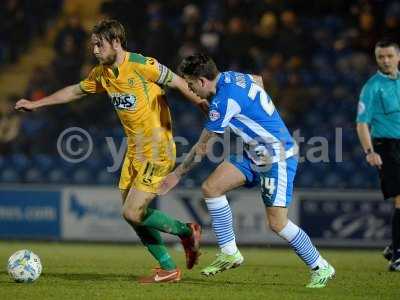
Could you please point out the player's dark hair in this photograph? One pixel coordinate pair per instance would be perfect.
(385, 43)
(198, 65)
(111, 30)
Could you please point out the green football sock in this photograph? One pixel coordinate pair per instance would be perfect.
(152, 239)
(158, 220)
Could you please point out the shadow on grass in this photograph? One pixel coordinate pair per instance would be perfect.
(90, 276)
(213, 282)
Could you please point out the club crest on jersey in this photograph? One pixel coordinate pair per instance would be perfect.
(214, 115)
(123, 101)
(131, 82)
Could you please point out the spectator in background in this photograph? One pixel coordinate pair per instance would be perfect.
(131, 13)
(211, 38)
(158, 36)
(20, 21)
(41, 14)
(13, 30)
(292, 40)
(270, 83)
(188, 48)
(74, 31)
(10, 124)
(267, 32)
(40, 84)
(275, 62)
(237, 43)
(68, 62)
(366, 33)
(293, 99)
(191, 23)
(391, 28)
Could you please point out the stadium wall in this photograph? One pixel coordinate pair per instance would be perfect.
(332, 218)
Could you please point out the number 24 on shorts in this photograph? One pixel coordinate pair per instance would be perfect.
(267, 186)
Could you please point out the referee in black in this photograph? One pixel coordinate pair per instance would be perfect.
(379, 109)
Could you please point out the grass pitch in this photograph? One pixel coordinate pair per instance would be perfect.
(106, 271)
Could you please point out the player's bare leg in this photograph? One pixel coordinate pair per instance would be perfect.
(276, 218)
(225, 178)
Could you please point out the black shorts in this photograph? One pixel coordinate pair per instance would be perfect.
(389, 174)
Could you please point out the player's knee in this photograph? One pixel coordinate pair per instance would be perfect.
(210, 190)
(133, 215)
(276, 225)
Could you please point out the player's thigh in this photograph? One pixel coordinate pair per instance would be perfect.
(144, 175)
(128, 175)
(150, 175)
(225, 177)
(124, 194)
(137, 201)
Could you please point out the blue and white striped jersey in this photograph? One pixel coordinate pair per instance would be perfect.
(245, 107)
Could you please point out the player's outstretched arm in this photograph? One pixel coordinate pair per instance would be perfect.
(194, 157)
(65, 95)
(180, 84)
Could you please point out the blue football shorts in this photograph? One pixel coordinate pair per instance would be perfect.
(275, 180)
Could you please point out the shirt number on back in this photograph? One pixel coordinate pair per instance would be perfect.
(265, 100)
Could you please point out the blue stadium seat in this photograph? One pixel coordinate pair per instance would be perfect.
(57, 175)
(43, 162)
(107, 178)
(33, 175)
(82, 176)
(20, 161)
(9, 175)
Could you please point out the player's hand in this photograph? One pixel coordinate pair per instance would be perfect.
(203, 105)
(374, 159)
(25, 105)
(168, 183)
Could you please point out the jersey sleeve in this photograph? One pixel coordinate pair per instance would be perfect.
(220, 113)
(154, 71)
(365, 107)
(91, 84)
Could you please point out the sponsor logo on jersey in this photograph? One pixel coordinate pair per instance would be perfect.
(123, 101)
(214, 115)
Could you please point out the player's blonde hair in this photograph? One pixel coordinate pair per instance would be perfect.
(111, 30)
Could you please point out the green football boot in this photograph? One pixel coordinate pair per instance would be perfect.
(320, 277)
(223, 262)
